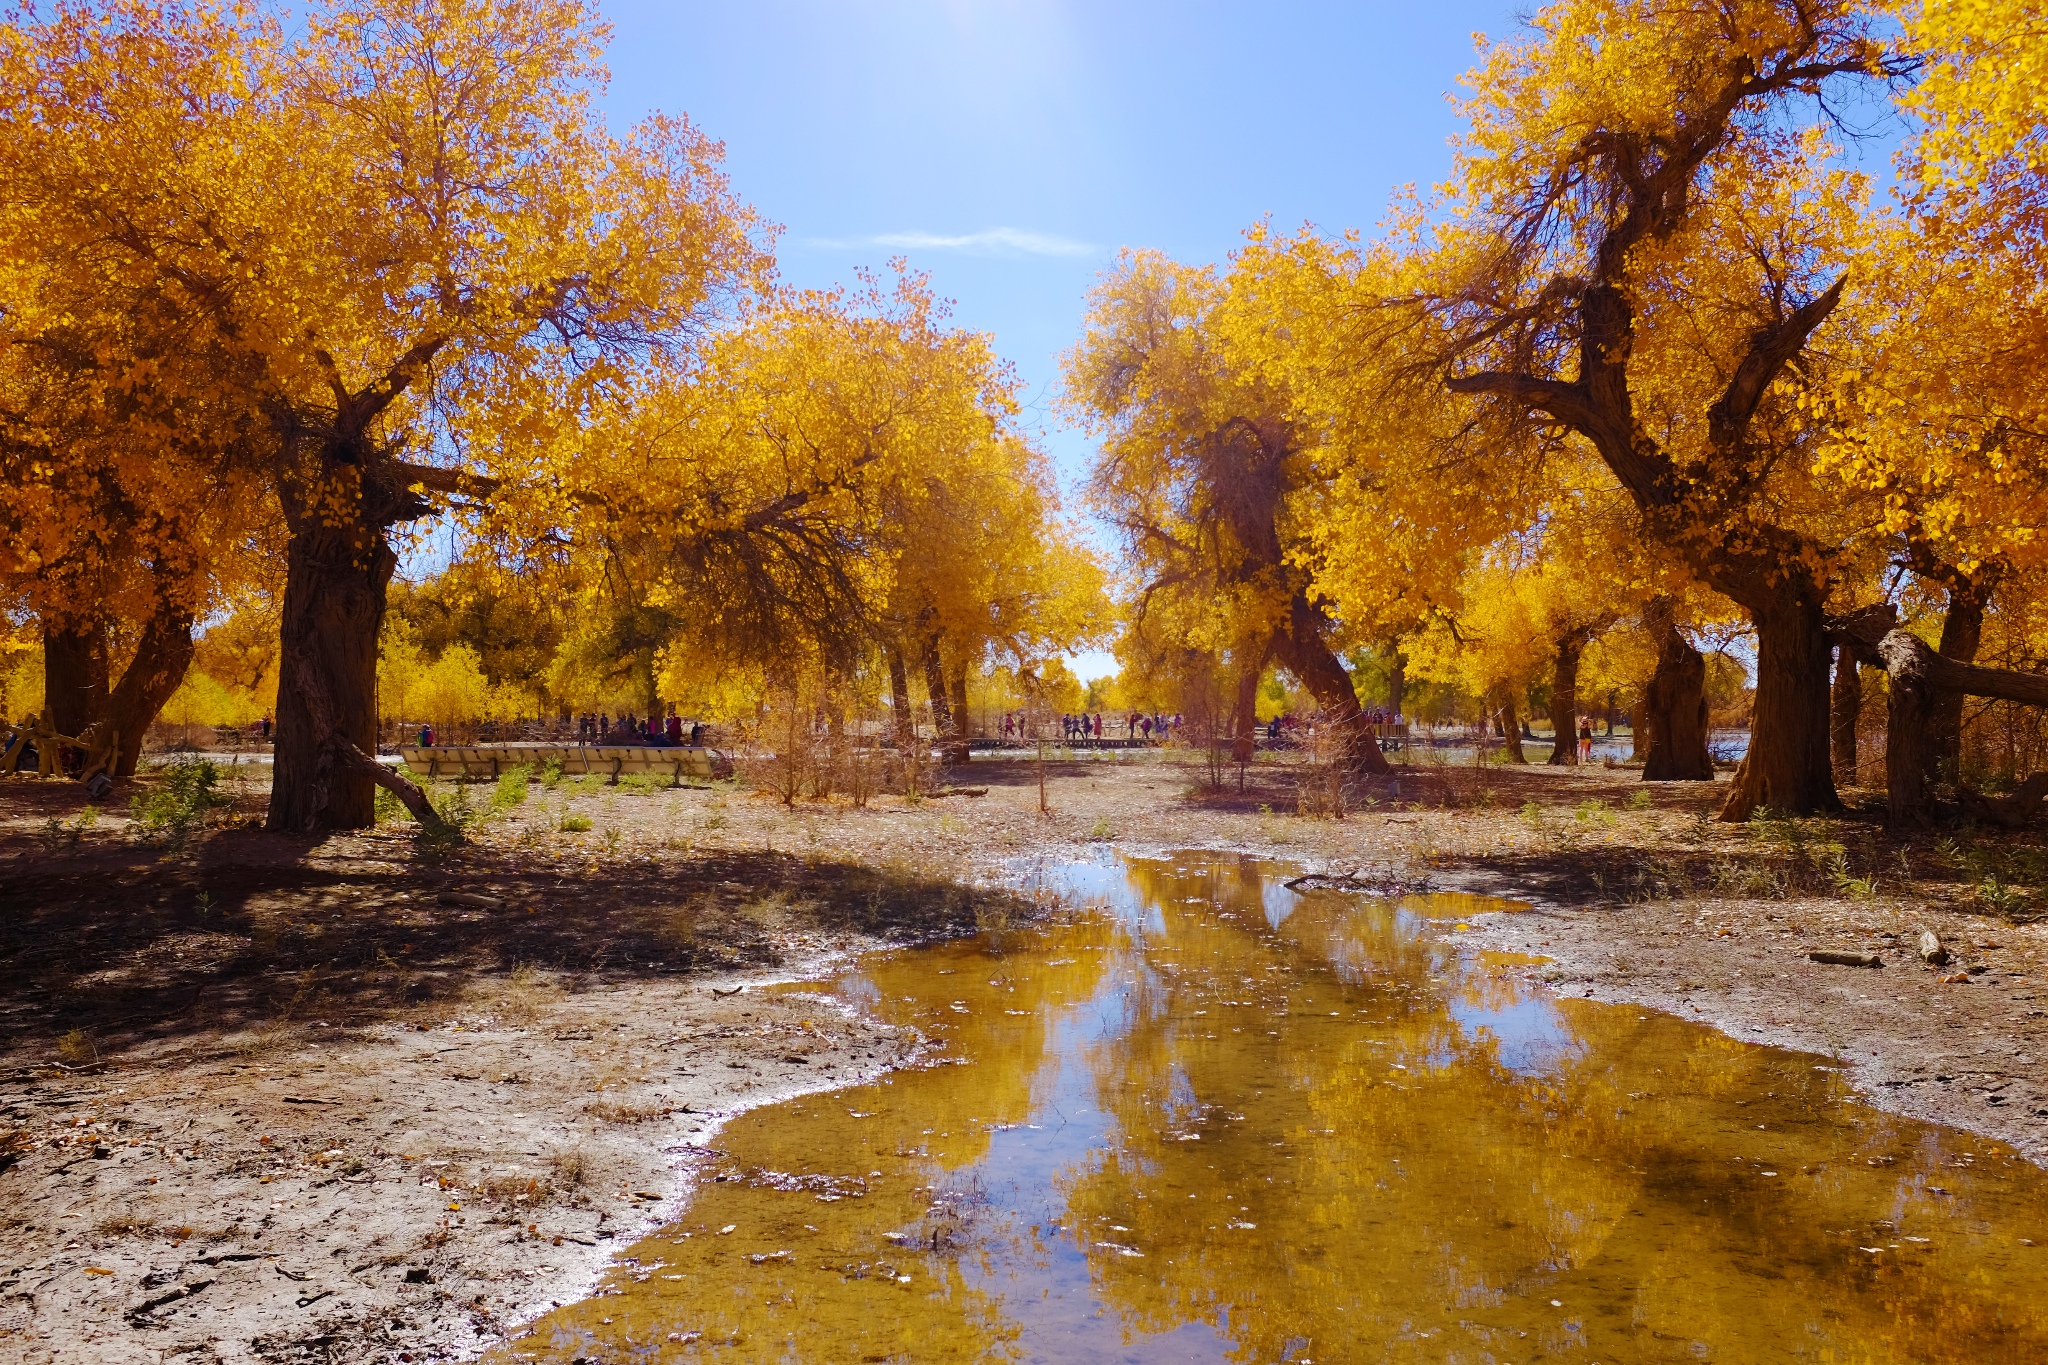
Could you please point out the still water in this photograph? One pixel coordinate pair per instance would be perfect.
(1215, 1120)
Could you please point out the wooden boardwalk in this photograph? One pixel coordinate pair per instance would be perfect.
(611, 760)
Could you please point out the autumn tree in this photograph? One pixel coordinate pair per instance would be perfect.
(840, 478)
(128, 438)
(1202, 470)
(1642, 246)
(413, 239)
(1941, 419)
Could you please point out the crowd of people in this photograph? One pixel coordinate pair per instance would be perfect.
(627, 728)
(1381, 718)
(1080, 726)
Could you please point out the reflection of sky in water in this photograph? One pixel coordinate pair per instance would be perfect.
(1528, 1035)
(1279, 901)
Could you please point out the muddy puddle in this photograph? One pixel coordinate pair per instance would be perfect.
(1216, 1120)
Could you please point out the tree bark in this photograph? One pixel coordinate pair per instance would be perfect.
(334, 596)
(1962, 632)
(1244, 740)
(163, 654)
(1397, 684)
(1300, 647)
(1564, 703)
(1788, 767)
(1917, 677)
(1511, 727)
(1672, 720)
(74, 673)
(943, 719)
(338, 566)
(963, 720)
(1846, 707)
(899, 701)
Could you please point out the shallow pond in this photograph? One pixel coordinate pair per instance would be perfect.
(1218, 1120)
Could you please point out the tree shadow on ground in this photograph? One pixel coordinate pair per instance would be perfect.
(256, 930)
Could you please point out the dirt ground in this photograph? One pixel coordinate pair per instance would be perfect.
(370, 1099)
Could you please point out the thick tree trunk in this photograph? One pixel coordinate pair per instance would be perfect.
(340, 495)
(943, 720)
(1671, 725)
(1962, 632)
(74, 674)
(1788, 768)
(162, 656)
(1302, 650)
(650, 689)
(334, 597)
(1511, 728)
(1564, 703)
(899, 701)
(1909, 717)
(1845, 708)
(963, 719)
(1244, 741)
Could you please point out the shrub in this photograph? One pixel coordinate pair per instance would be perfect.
(511, 788)
(180, 802)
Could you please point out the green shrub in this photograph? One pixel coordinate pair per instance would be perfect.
(511, 788)
(179, 803)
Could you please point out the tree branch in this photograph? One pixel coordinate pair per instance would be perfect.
(1729, 418)
(1907, 653)
(350, 759)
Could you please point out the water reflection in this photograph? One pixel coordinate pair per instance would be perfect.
(1217, 1120)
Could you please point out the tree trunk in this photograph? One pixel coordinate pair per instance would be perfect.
(1397, 684)
(1244, 742)
(338, 566)
(899, 701)
(1846, 707)
(1672, 722)
(162, 656)
(1788, 768)
(334, 594)
(1302, 650)
(1962, 631)
(650, 690)
(1564, 703)
(1917, 677)
(963, 720)
(74, 674)
(943, 719)
(1909, 717)
(1511, 727)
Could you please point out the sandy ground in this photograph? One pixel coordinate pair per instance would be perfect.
(366, 1100)
(393, 1192)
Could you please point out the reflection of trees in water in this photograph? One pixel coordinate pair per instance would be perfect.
(837, 1296)
(1461, 1195)
(1619, 1171)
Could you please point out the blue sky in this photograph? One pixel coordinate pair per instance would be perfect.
(1010, 149)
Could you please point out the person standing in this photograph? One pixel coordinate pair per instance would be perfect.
(1585, 742)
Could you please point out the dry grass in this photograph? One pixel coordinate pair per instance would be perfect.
(626, 1113)
(569, 1169)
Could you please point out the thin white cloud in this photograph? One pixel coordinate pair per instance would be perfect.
(1000, 241)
